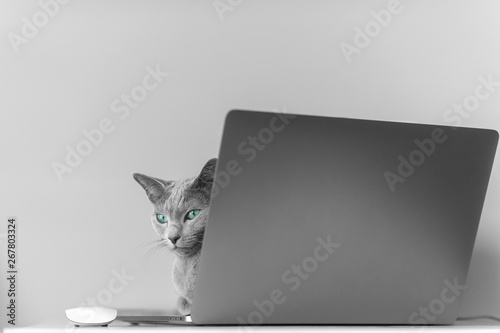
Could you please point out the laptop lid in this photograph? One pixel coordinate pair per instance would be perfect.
(319, 220)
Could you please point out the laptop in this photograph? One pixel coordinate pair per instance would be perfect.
(323, 220)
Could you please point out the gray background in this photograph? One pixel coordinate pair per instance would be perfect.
(265, 55)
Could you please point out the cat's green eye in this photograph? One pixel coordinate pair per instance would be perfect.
(161, 218)
(192, 214)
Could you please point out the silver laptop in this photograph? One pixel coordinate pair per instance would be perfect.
(318, 220)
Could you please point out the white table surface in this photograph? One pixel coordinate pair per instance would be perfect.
(61, 325)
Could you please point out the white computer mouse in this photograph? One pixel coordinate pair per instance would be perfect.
(91, 316)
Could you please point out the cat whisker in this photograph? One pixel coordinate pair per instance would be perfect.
(152, 250)
(140, 247)
(155, 249)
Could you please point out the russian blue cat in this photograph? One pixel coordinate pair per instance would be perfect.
(180, 213)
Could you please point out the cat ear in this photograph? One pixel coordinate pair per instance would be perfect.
(206, 176)
(155, 188)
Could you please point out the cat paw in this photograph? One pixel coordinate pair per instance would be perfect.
(183, 306)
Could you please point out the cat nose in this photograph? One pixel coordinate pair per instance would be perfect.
(174, 238)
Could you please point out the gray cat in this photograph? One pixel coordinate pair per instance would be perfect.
(179, 216)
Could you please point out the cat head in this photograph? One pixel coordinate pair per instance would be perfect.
(180, 208)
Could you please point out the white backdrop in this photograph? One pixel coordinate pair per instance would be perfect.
(156, 79)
